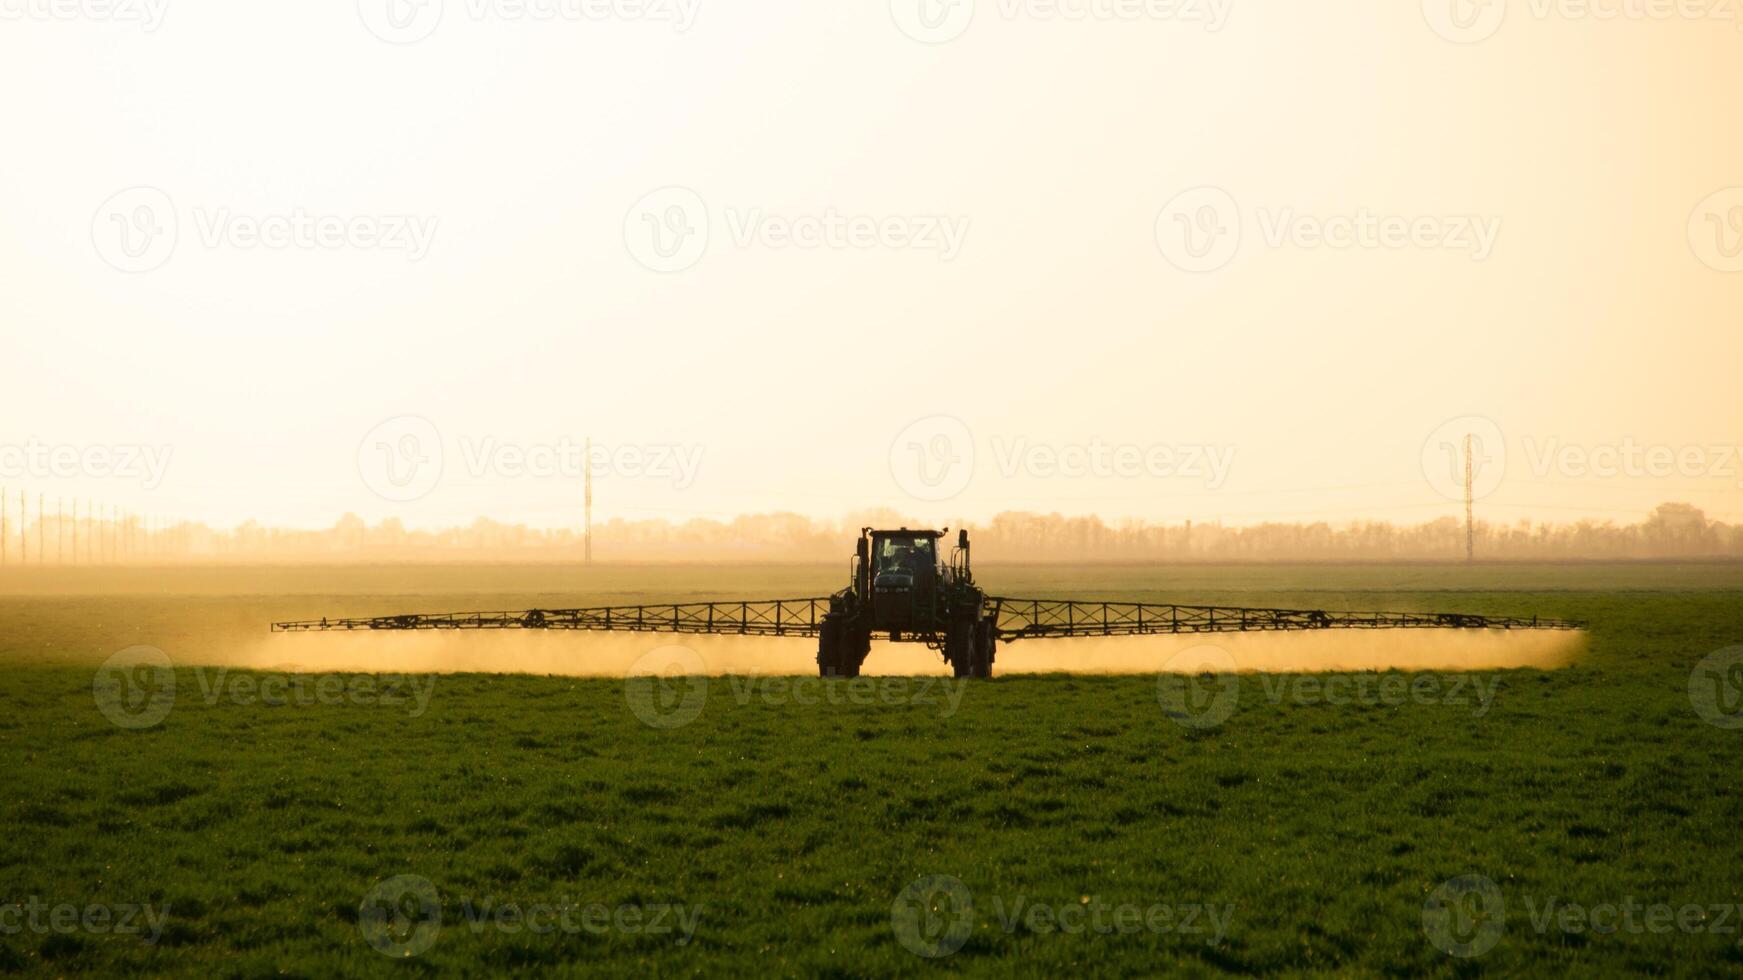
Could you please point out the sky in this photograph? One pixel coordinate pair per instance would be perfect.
(1213, 260)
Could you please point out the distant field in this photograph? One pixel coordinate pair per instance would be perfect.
(1289, 823)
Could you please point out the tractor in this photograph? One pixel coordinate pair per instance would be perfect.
(903, 588)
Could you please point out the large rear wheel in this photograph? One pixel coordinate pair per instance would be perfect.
(959, 648)
(840, 650)
(981, 650)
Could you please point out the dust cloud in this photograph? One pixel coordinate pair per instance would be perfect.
(608, 655)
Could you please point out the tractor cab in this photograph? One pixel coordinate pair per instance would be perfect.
(903, 572)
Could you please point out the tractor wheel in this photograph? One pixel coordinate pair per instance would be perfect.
(830, 648)
(840, 651)
(959, 648)
(986, 640)
(855, 647)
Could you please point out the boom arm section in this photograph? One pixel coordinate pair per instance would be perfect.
(1019, 619)
(759, 617)
(1014, 619)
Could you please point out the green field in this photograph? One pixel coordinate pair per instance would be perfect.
(1031, 825)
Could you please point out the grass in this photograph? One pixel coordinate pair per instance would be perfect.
(789, 829)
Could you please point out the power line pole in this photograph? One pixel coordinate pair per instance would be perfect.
(587, 504)
(60, 530)
(2, 525)
(1470, 522)
(23, 536)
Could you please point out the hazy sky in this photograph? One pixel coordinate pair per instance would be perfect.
(1236, 260)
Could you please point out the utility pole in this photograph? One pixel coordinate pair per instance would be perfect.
(60, 530)
(1470, 523)
(23, 519)
(2, 525)
(75, 530)
(41, 530)
(587, 504)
